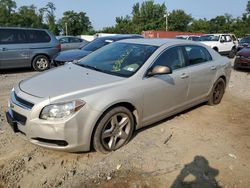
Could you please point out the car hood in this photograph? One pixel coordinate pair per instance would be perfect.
(244, 44)
(71, 55)
(244, 52)
(66, 81)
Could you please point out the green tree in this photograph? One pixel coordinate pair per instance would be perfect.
(27, 17)
(178, 20)
(49, 11)
(200, 25)
(7, 8)
(75, 23)
(248, 8)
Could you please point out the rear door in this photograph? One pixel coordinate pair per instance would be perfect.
(14, 50)
(202, 70)
(65, 45)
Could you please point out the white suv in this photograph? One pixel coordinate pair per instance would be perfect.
(225, 44)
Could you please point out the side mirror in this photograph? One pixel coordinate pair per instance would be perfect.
(222, 40)
(159, 70)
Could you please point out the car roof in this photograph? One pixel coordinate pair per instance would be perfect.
(23, 28)
(59, 37)
(158, 41)
(120, 37)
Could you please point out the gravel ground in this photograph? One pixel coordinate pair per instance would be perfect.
(202, 147)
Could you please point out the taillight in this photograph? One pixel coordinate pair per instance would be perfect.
(59, 47)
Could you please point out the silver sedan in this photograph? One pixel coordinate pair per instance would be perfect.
(114, 91)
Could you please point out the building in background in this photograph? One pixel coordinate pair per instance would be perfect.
(167, 34)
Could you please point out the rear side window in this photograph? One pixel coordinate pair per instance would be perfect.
(75, 40)
(197, 54)
(172, 58)
(36, 36)
(12, 36)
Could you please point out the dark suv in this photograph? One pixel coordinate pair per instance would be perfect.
(244, 42)
(22, 47)
(71, 55)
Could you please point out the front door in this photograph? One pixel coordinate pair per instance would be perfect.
(164, 94)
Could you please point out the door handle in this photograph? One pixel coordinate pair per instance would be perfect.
(183, 76)
(213, 68)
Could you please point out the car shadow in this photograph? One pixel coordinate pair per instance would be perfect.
(166, 119)
(16, 70)
(247, 70)
(198, 173)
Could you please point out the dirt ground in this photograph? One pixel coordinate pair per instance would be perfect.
(203, 147)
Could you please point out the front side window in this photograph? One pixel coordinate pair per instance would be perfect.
(172, 58)
(197, 54)
(64, 40)
(210, 38)
(121, 59)
(75, 40)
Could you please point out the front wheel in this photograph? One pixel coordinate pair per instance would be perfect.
(217, 92)
(232, 53)
(40, 63)
(113, 130)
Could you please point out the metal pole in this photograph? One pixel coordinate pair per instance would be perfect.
(166, 19)
(66, 27)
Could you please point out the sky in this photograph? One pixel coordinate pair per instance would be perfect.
(102, 13)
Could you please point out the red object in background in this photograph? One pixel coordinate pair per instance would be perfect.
(166, 34)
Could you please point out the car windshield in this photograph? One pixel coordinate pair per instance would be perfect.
(195, 38)
(245, 40)
(121, 59)
(210, 38)
(96, 44)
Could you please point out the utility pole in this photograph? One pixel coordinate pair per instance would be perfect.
(166, 16)
(66, 28)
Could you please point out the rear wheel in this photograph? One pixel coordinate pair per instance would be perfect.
(113, 130)
(40, 63)
(217, 92)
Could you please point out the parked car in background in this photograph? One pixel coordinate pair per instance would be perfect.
(71, 42)
(244, 42)
(114, 91)
(22, 47)
(71, 55)
(188, 37)
(242, 59)
(225, 44)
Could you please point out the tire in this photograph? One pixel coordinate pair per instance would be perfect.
(236, 67)
(232, 53)
(113, 130)
(217, 92)
(40, 63)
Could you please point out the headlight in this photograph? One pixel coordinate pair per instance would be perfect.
(61, 110)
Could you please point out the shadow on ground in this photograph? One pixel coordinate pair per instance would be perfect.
(197, 174)
(15, 71)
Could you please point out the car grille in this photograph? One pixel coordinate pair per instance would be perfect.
(22, 103)
(19, 118)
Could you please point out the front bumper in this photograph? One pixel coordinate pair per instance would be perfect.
(72, 134)
(242, 62)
